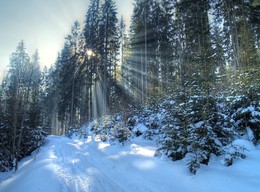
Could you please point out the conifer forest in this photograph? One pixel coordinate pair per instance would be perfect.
(188, 70)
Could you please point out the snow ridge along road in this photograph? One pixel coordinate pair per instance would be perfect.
(71, 165)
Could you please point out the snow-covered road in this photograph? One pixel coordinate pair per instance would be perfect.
(86, 168)
(67, 165)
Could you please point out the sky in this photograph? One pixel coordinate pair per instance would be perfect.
(42, 25)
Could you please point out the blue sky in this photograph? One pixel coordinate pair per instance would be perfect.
(42, 24)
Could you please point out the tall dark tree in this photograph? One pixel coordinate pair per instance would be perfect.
(51, 97)
(21, 93)
(168, 42)
(109, 49)
(152, 45)
(91, 25)
(17, 89)
(141, 33)
(91, 34)
(69, 82)
(122, 40)
(238, 30)
(255, 20)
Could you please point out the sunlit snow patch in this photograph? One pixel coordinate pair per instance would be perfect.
(144, 164)
(136, 149)
(103, 145)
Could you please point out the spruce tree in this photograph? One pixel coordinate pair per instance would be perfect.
(21, 96)
(239, 31)
(109, 49)
(168, 42)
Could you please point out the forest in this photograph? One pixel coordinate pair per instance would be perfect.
(189, 70)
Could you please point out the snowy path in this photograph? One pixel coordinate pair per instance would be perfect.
(84, 168)
(66, 165)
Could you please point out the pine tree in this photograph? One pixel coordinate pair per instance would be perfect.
(16, 91)
(122, 41)
(91, 25)
(71, 79)
(21, 91)
(148, 39)
(254, 18)
(168, 54)
(108, 49)
(239, 35)
(91, 34)
(138, 60)
(51, 97)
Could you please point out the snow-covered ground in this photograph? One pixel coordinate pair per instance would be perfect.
(71, 165)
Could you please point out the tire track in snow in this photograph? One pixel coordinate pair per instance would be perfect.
(78, 171)
(71, 176)
(115, 171)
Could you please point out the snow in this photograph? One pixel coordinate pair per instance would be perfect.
(172, 102)
(140, 127)
(254, 112)
(199, 124)
(249, 146)
(250, 134)
(89, 165)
